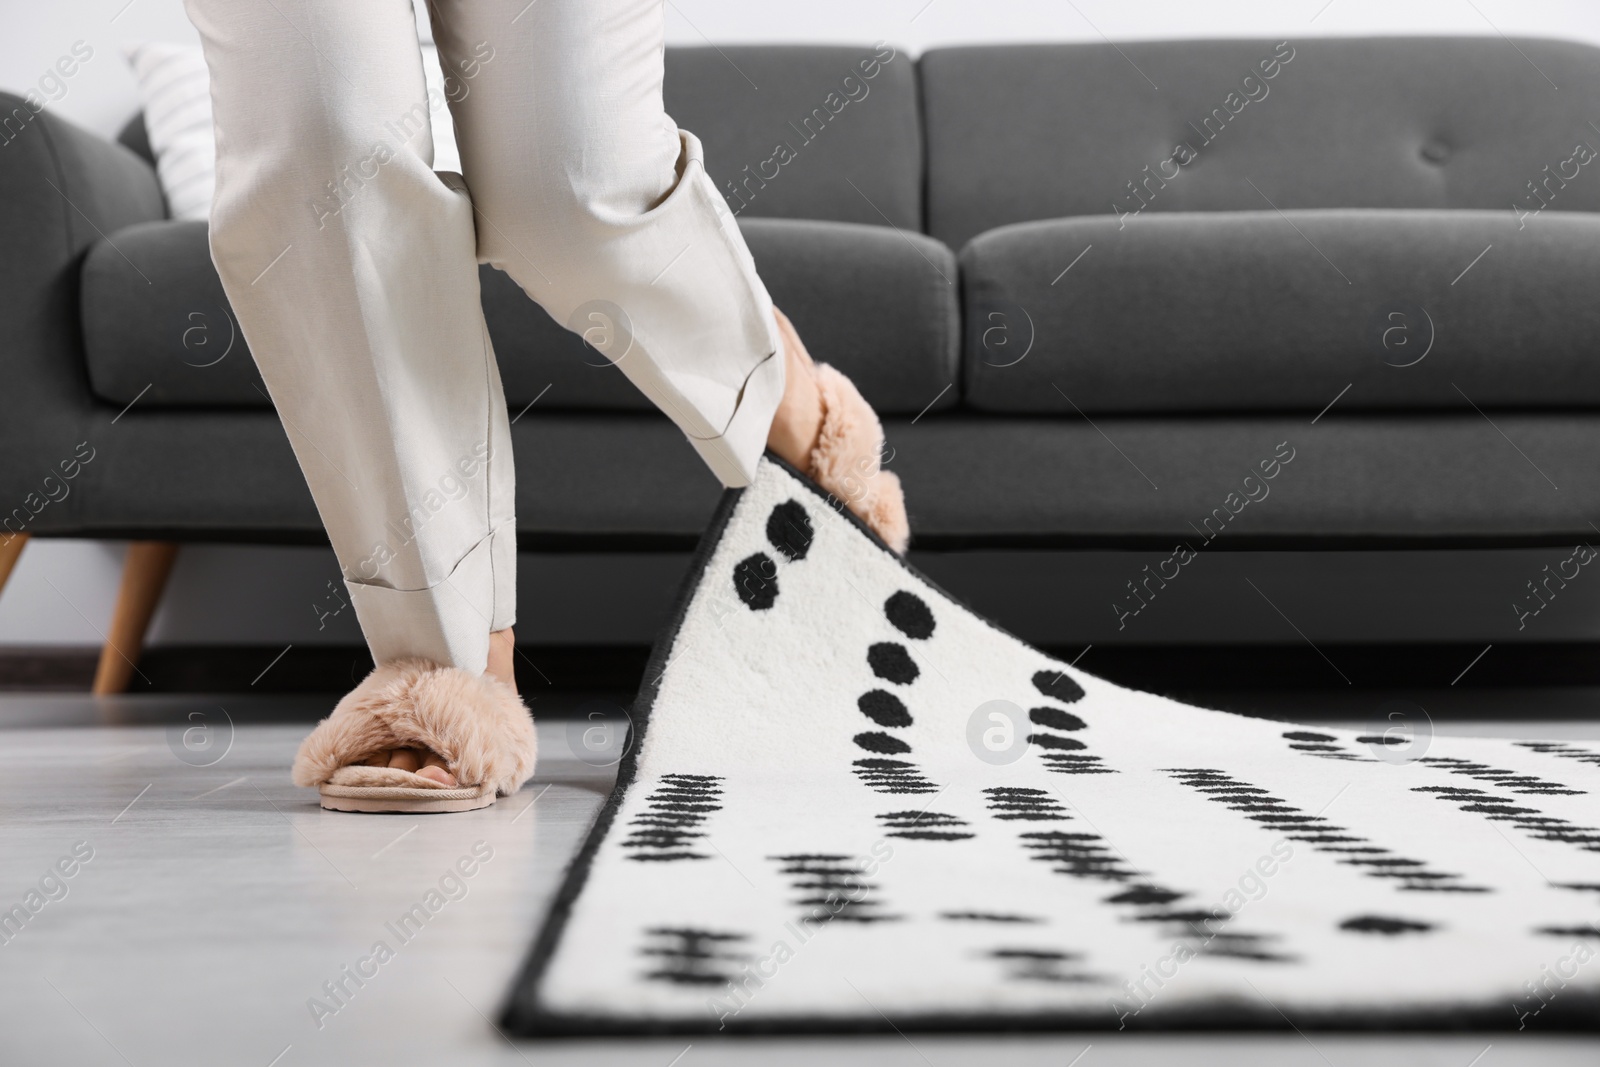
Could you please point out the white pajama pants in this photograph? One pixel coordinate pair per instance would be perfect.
(353, 270)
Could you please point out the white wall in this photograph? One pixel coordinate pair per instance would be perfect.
(101, 95)
(63, 591)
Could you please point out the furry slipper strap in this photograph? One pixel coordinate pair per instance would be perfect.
(476, 723)
(846, 460)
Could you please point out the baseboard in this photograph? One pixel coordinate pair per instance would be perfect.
(299, 669)
(1172, 669)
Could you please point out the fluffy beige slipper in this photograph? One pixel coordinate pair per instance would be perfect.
(476, 723)
(847, 459)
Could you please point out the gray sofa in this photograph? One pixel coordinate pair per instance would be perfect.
(1377, 257)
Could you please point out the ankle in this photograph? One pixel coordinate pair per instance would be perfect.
(797, 423)
(502, 657)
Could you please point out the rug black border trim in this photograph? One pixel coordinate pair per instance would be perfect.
(522, 1014)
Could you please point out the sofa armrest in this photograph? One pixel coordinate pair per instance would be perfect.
(62, 189)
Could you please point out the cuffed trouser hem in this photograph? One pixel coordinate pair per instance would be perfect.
(733, 454)
(449, 622)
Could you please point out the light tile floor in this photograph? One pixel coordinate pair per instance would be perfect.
(219, 899)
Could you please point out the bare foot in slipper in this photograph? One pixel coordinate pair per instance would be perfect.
(414, 736)
(825, 429)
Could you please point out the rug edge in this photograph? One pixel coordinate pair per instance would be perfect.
(521, 1013)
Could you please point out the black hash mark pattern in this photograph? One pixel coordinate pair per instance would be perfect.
(1562, 750)
(1061, 754)
(834, 888)
(1323, 836)
(692, 956)
(666, 830)
(1531, 821)
(1327, 746)
(893, 776)
(1482, 772)
(1384, 924)
(1041, 965)
(924, 826)
(1074, 763)
(1083, 855)
(1020, 802)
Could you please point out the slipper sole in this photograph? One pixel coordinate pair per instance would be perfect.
(402, 799)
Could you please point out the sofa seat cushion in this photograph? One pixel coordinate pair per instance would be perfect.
(602, 481)
(881, 306)
(1250, 481)
(1262, 311)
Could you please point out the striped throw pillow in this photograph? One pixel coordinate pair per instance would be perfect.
(176, 91)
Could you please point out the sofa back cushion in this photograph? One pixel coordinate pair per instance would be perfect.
(805, 131)
(880, 305)
(1267, 311)
(883, 307)
(1027, 132)
(796, 132)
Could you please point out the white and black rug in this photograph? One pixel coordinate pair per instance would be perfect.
(853, 804)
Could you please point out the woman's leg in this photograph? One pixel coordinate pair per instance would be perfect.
(353, 271)
(591, 197)
(594, 201)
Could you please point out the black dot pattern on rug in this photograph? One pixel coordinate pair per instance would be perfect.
(1056, 719)
(1382, 924)
(909, 615)
(884, 708)
(1057, 684)
(882, 743)
(892, 663)
(755, 579)
(789, 529)
(1307, 735)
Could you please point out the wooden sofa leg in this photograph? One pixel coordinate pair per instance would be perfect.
(144, 577)
(11, 546)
